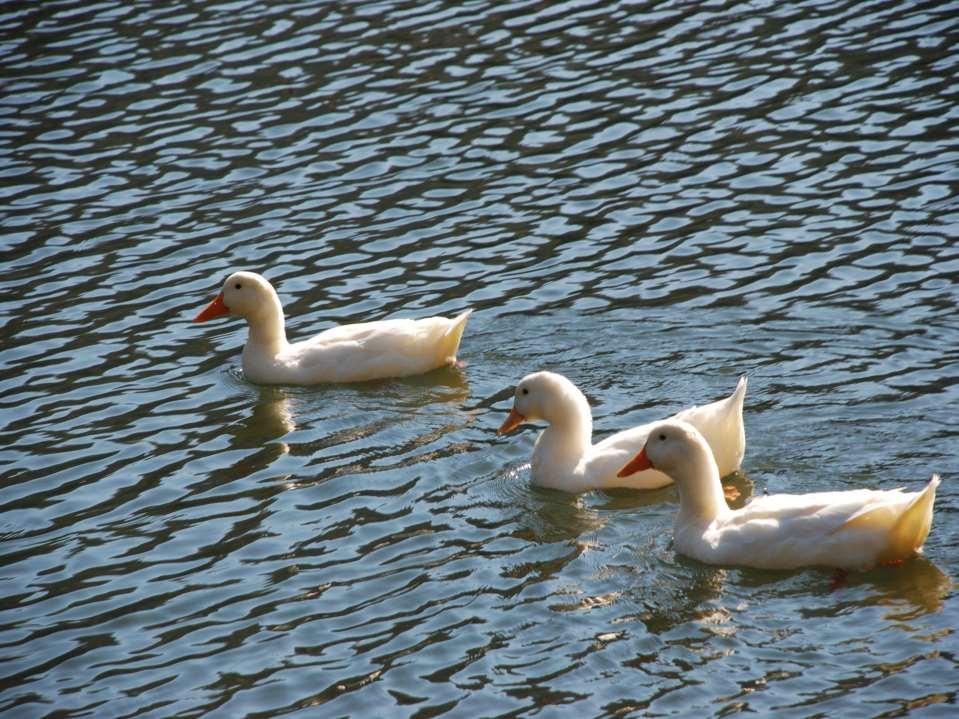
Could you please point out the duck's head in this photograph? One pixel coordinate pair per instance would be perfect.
(246, 294)
(669, 447)
(545, 396)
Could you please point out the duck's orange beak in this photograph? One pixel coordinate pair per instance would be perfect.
(217, 308)
(636, 464)
(514, 420)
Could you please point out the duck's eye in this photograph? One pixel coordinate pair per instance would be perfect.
(662, 437)
(238, 285)
(525, 390)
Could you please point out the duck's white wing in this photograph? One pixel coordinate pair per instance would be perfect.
(387, 348)
(609, 456)
(384, 335)
(786, 531)
(829, 509)
(720, 422)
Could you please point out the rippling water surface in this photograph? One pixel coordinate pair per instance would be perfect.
(651, 198)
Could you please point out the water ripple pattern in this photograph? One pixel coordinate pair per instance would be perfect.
(651, 198)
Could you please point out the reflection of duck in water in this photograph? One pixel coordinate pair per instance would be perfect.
(917, 588)
(563, 526)
(446, 384)
(556, 516)
(849, 530)
(271, 418)
(349, 353)
(347, 424)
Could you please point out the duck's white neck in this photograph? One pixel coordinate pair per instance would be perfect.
(701, 496)
(569, 434)
(267, 328)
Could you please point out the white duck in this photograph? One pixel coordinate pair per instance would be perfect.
(565, 458)
(349, 353)
(854, 529)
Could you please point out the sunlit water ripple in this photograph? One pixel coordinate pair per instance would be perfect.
(652, 198)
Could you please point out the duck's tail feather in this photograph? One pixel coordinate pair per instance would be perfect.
(453, 336)
(912, 526)
(738, 397)
(721, 423)
(733, 432)
(734, 418)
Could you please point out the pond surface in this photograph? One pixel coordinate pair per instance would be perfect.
(651, 198)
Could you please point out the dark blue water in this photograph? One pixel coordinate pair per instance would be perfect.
(651, 198)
